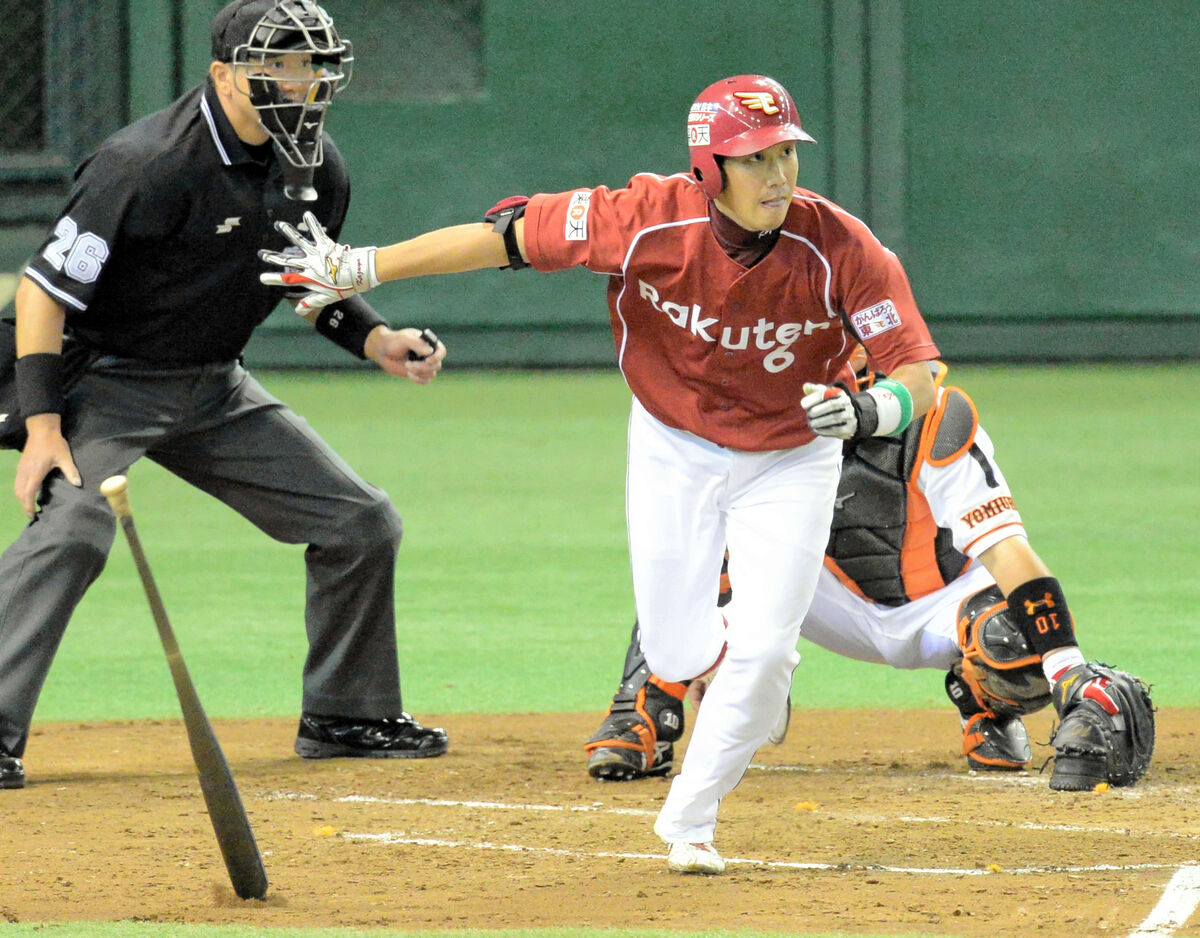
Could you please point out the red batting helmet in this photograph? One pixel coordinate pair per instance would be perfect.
(736, 117)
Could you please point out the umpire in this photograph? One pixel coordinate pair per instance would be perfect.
(152, 268)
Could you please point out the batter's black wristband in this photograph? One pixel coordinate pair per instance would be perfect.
(866, 415)
(1040, 609)
(502, 220)
(40, 383)
(348, 322)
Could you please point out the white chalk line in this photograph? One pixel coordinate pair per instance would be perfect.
(402, 837)
(1143, 789)
(449, 803)
(600, 808)
(1178, 902)
(1022, 825)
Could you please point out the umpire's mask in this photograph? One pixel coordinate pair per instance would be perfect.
(295, 63)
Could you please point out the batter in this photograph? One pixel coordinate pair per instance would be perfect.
(735, 300)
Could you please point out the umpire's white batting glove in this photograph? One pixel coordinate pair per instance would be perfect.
(322, 265)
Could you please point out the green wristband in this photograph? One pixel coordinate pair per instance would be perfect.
(903, 398)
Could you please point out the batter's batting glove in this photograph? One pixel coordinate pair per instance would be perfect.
(885, 409)
(322, 265)
(307, 304)
(833, 412)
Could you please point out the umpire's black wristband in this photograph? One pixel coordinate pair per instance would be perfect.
(40, 383)
(348, 322)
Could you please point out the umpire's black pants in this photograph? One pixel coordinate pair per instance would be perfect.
(217, 428)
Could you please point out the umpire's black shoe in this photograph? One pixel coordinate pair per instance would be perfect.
(322, 737)
(12, 773)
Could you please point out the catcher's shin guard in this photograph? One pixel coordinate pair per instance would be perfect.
(991, 743)
(1107, 728)
(999, 665)
(644, 720)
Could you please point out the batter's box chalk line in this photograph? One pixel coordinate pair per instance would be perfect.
(1176, 906)
(601, 808)
(390, 838)
(1178, 902)
(1144, 789)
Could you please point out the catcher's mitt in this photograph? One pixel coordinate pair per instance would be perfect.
(1107, 728)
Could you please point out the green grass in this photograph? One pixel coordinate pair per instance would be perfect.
(513, 588)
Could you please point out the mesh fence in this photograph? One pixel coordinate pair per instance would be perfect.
(64, 75)
(419, 50)
(21, 74)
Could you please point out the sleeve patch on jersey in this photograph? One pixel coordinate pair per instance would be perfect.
(79, 255)
(577, 213)
(988, 510)
(876, 319)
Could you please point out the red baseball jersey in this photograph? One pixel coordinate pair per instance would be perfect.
(712, 347)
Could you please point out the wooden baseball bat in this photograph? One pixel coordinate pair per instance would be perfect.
(225, 809)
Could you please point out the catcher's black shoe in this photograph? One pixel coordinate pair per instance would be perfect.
(610, 764)
(996, 744)
(635, 739)
(12, 772)
(325, 737)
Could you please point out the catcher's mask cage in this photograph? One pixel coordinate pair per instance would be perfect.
(295, 62)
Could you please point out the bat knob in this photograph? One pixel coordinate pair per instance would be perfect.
(113, 485)
(114, 489)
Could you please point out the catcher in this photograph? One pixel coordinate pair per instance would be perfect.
(928, 566)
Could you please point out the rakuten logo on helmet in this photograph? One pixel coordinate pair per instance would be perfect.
(690, 317)
(757, 101)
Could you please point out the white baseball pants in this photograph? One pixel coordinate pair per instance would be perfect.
(686, 499)
(920, 634)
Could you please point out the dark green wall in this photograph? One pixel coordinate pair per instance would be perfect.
(576, 95)
(1033, 163)
(1052, 168)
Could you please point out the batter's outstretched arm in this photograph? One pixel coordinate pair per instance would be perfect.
(884, 409)
(337, 270)
(447, 251)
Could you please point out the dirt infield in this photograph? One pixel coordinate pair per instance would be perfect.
(853, 824)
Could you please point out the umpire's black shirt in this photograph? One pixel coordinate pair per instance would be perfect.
(155, 255)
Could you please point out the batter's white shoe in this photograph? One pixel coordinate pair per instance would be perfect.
(695, 858)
